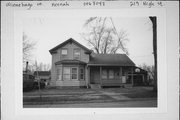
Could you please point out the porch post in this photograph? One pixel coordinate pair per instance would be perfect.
(132, 76)
(100, 75)
(88, 76)
(120, 73)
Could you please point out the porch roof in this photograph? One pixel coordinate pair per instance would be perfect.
(110, 60)
(70, 62)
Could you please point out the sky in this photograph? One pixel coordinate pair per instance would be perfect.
(49, 32)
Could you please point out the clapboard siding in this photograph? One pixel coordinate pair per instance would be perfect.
(70, 47)
(55, 58)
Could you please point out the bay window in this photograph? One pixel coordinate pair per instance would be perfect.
(81, 73)
(74, 73)
(66, 73)
(59, 73)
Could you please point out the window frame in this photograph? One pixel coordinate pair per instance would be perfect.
(81, 73)
(112, 74)
(75, 56)
(74, 73)
(103, 74)
(66, 74)
(62, 51)
(59, 73)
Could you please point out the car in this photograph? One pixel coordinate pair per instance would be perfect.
(28, 81)
(37, 83)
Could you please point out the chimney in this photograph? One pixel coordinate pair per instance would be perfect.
(26, 66)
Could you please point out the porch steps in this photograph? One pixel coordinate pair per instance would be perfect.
(95, 86)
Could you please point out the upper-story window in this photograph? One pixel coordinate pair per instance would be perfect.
(64, 52)
(77, 53)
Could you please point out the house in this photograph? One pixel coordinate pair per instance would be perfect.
(75, 65)
(140, 77)
(43, 76)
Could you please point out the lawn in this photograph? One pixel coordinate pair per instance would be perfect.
(83, 95)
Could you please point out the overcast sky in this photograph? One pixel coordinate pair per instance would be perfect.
(49, 32)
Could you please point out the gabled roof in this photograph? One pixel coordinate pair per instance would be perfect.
(110, 60)
(70, 40)
(70, 62)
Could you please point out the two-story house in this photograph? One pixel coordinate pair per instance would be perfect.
(75, 65)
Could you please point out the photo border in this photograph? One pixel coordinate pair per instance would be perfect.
(161, 52)
(168, 93)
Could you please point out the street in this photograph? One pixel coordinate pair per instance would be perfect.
(140, 103)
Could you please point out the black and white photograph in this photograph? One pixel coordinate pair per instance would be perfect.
(89, 62)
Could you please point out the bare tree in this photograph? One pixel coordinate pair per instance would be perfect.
(28, 46)
(149, 69)
(43, 67)
(103, 36)
(39, 66)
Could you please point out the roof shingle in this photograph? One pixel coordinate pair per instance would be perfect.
(110, 60)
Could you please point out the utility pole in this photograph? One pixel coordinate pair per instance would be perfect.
(154, 26)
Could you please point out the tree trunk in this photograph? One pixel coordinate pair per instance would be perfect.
(154, 25)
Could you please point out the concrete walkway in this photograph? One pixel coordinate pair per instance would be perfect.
(115, 96)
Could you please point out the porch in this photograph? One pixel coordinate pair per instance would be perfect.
(105, 76)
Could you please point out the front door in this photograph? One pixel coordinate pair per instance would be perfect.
(95, 75)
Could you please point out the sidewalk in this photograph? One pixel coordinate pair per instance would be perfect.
(124, 104)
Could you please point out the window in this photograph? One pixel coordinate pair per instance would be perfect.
(81, 73)
(59, 73)
(116, 74)
(104, 74)
(77, 53)
(111, 74)
(66, 73)
(74, 74)
(64, 51)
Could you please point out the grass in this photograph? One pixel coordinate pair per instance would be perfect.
(149, 94)
(67, 99)
(81, 95)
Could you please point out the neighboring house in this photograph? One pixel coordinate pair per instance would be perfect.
(75, 65)
(43, 76)
(140, 77)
